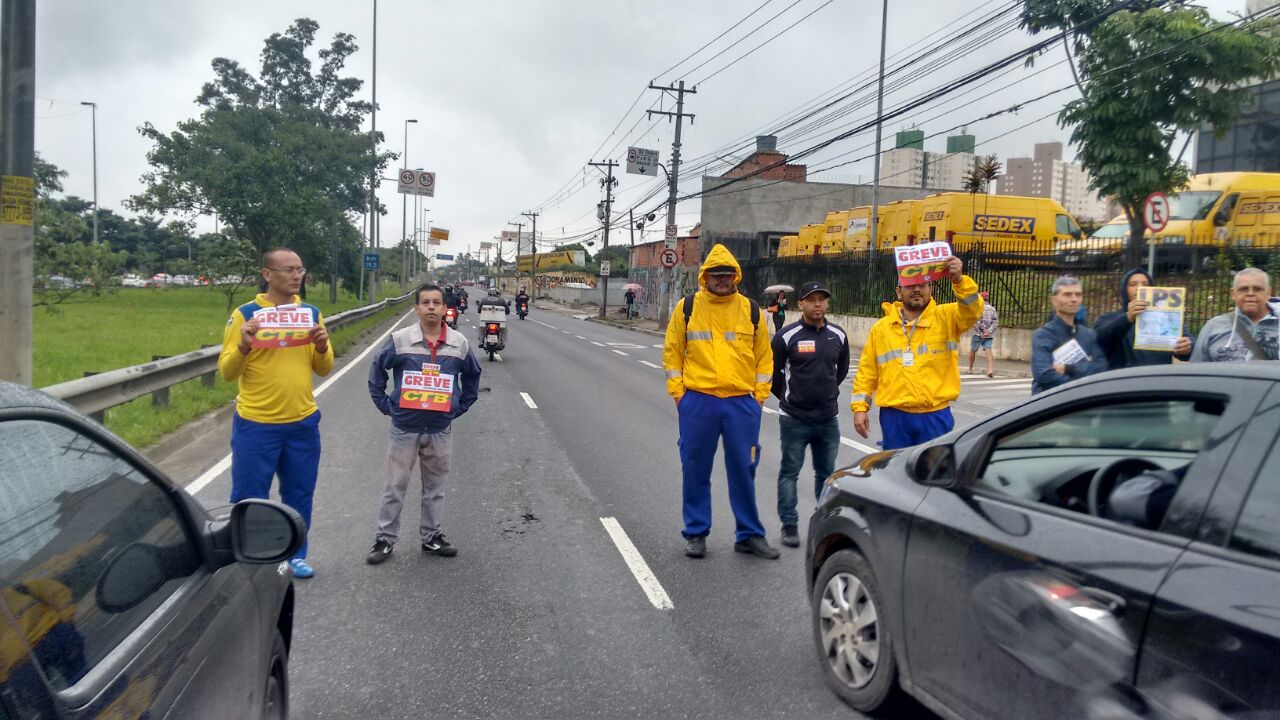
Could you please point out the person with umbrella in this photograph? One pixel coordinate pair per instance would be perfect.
(630, 295)
(778, 308)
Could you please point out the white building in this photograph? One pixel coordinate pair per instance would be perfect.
(915, 168)
(1047, 175)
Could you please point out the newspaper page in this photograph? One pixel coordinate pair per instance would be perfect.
(1160, 325)
(1070, 353)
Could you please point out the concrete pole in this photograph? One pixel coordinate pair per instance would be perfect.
(94, 107)
(875, 180)
(17, 185)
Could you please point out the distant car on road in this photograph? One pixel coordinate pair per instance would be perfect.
(1108, 549)
(133, 281)
(123, 597)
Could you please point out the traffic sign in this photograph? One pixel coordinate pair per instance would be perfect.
(668, 258)
(641, 161)
(372, 261)
(417, 182)
(604, 268)
(669, 240)
(672, 230)
(442, 256)
(438, 233)
(1155, 211)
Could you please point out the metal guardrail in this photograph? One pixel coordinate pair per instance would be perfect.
(94, 394)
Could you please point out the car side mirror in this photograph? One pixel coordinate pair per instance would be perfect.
(933, 465)
(1221, 218)
(130, 577)
(1077, 234)
(265, 532)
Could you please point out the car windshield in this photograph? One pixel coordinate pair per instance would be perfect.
(1194, 205)
(1110, 231)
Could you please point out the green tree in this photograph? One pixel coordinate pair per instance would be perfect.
(271, 154)
(229, 264)
(1147, 72)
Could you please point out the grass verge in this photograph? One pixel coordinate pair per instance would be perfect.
(142, 424)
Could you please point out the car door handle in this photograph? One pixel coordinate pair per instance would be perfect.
(1109, 600)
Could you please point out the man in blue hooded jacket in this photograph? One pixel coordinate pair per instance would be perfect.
(1115, 329)
(435, 379)
(1048, 372)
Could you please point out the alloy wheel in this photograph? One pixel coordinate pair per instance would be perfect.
(850, 630)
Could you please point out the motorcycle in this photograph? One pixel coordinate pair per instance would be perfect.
(493, 336)
(451, 318)
(522, 309)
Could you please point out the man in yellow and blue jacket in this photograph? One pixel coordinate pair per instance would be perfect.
(276, 428)
(911, 361)
(719, 369)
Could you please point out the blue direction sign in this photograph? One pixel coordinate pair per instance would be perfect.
(372, 261)
(440, 256)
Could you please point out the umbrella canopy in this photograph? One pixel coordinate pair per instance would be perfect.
(634, 286)
(777, 288)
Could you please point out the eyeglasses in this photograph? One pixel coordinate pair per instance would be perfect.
(290, 270)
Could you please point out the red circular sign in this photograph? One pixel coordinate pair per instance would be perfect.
(668, 258)
(1155, 211)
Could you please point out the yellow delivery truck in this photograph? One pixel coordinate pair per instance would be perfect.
(857, 235)
(787, 246)
(1002, 228)
(833, 233)
(899, 223)
(1235, 210)
(810, 240)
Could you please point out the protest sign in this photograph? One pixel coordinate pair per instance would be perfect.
(283, 326)
(922, 263)
(1159, 326)
(426, 391)
(1070, 353)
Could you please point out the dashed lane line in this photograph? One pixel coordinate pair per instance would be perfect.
(579, 337)
(857, 445)
(597, 344)
(553, 327)
(646, 362)
(657, 346)
(529, 401)
(621, 353)
(639, 568)
(225, 463)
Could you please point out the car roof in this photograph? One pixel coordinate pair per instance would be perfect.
(13, 396)
(1230, 370)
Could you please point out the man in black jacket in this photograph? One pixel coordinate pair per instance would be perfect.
(1115, 329)
(1064, 349)
(810, 360)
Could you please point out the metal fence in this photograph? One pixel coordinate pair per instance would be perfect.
(1018, 280)
(95, 394)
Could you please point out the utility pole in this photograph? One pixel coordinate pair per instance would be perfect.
(374, 240)
(875, 180)
(673, 178)
(520, 230)
(17, 184)
(94, 107)
(533, 262)
(606, 218)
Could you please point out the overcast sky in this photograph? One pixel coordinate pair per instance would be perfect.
(513, 98)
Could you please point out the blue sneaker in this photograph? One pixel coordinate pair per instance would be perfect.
(300, 568)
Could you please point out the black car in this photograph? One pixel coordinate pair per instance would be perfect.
(1110, 549)
(120, 596)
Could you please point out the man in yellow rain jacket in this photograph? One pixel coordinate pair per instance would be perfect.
(911, 361)
(719, 369)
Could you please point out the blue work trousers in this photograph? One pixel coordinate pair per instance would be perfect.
(823, 439)
(260, 451)
(704, 419)
(904, 429)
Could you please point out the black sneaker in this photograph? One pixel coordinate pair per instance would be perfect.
(380, 552)
(696, 547)
(790, 537)
(439, 546)
(757, 546)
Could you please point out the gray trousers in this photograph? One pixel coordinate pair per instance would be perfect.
(432, 452)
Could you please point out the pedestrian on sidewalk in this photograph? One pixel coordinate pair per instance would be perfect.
(1064, 348)
(1114, 330)
(719, 366)
(1251, 331)
(630, 296)
(779, 310)
(984, 334)
(911, 362)
(276, 428)
(810, 361)
(435, 379)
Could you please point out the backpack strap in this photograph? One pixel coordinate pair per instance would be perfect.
(687, 306)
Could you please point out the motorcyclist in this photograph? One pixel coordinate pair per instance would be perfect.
(451, 298)
(522, 298)
(493, 299)
(463, 298)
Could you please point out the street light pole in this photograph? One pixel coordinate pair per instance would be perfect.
(94, 107)
(404, 199)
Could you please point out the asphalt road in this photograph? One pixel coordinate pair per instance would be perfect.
(568, 458)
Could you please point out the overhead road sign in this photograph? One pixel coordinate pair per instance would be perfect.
(441, 256)
(417, 182)
(438, 233)
(486, 245)
(1155, 211)
(641, 161)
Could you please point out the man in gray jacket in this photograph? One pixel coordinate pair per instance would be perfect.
(1249, 332)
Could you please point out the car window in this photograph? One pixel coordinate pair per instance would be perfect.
(68, 506)
(1063, 225)
(1054, 461)
(1257, 531)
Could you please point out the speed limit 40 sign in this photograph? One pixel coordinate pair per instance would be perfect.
(1155, 211)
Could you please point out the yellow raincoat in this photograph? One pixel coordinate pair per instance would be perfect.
(933, 380)
(719, 352)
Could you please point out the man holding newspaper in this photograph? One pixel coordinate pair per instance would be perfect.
(1062, 349)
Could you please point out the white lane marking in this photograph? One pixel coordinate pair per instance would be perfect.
(566, 332)
(769, 410)
(657, 346)
(222, 465)
(978, 385)
(553, 327)
(646, 362)
(621, 353)
(857, 445)
(579, 337)
(497, 357)
(529, 401)
(639, 568)
(597, 344)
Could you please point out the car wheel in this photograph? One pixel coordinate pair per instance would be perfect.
(275, 702)
(850, 632)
